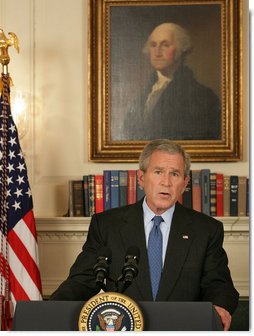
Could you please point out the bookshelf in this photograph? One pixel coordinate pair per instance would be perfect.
(61, 239)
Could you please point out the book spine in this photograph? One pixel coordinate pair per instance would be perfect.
(86, 196)
(247, 196)
(107, 189)
(196, 190)
(114, 187)
(99, 199)
(132, 191)
(71, 212)
(123, 186)
(242, 195)
(205, 190)
(213, 194)
(233, 195)
(78, 201)
(226, 196)
(219, 195)
(91, 193)
(140, 190)
(187, 195)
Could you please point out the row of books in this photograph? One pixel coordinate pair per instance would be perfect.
(214, 194)
(96, 193)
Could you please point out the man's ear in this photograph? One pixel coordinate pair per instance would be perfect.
(186, 180)
(140, 175)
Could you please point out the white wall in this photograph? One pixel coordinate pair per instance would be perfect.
(52, 69)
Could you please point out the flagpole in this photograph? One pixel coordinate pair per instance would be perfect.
(5, 300)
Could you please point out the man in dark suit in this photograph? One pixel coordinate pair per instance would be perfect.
(173, 104)
(194, 263)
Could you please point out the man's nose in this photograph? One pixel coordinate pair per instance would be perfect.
(158, 51)
(167, 180)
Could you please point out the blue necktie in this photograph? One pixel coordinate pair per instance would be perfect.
(155, 254)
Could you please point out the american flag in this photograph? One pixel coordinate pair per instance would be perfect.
(19, 268)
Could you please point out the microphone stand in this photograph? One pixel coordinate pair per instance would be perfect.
(129, 270)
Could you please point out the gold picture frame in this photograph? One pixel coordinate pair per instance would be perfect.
(117, 32)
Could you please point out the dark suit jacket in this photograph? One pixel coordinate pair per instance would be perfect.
(195, 267)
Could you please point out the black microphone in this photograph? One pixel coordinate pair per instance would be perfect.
(130, 268)
(101, 268)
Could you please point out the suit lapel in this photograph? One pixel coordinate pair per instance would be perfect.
(179, 242)
(133, 234)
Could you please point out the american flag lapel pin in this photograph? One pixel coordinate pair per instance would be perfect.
(185, 237)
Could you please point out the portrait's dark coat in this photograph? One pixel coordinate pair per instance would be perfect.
(185, 110)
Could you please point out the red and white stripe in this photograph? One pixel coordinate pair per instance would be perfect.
(24, 274)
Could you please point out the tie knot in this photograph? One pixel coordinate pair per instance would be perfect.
(157, 220)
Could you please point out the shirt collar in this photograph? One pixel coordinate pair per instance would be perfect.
(163, 79)
(161, 82)
(149, 214)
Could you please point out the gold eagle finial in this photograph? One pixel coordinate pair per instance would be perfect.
(5, 43)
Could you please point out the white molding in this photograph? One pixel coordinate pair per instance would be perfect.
(62, 224)
(235, 224)
(231, 224)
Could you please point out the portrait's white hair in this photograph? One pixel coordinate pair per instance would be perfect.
(182, 39)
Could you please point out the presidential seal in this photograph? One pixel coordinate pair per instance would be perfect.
(110, 312)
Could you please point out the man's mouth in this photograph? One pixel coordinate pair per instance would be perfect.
(166, 194)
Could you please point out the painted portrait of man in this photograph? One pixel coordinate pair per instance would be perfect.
(166, 97)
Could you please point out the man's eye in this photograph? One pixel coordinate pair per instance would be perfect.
(157, 172)
(175, 174)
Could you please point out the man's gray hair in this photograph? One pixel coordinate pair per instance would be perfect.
(182, 39)
(167, 146)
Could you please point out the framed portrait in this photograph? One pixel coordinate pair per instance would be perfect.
(165, 69)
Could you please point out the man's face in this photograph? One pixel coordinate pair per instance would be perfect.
(162, 50)
(163, 181)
